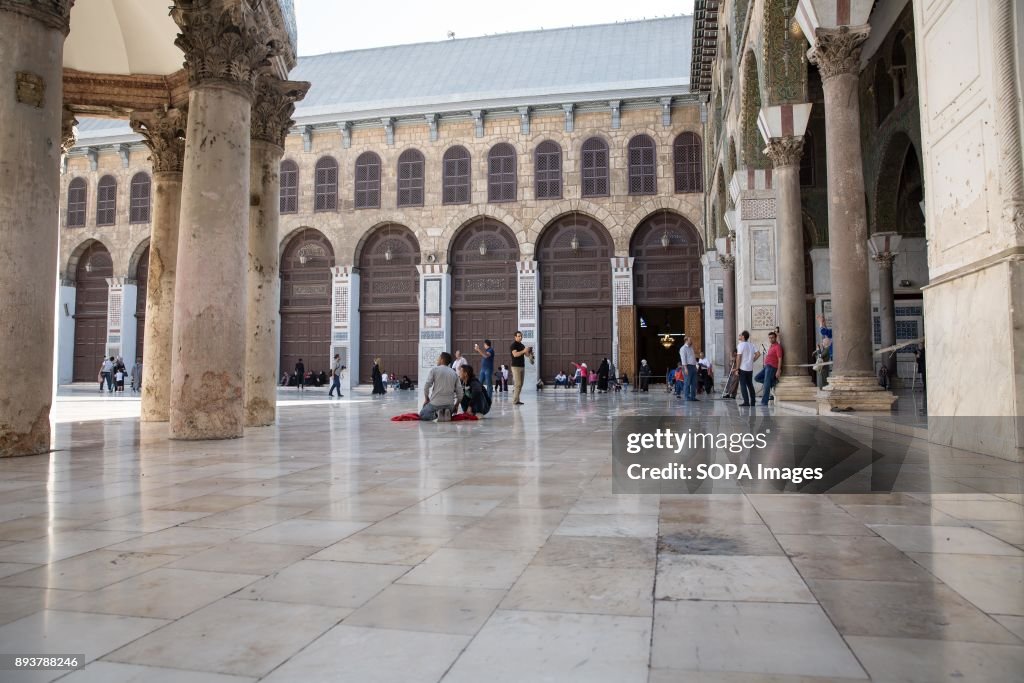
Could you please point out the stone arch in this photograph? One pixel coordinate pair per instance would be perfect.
(565, 206)
(305, 299)
(649, 207)
(71, 265)
(893, 173)
(667, 273)
(752, 145)
(493, 212)
(294, 233)
(92, 273)
(419, 235)
(135, 260)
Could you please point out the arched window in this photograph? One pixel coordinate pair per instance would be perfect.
(595, 168)
(807, 161)
(455, 176)
(77, 199)
(643, 176)
(687, 159)
(325, 185)
(368, 181)
(106, 201)
(138, 208)
(290, 186)
(410, 178)
(547, 170)
(501, 173)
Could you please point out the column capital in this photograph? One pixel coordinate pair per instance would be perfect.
(163, 131)
(837, 51)
(884, 260)
(786, 151)
(223, 43)
(55, 14)
(273, 106)
(727, 261)
(67, 129)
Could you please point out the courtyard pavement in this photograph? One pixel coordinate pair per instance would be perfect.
(339, 546)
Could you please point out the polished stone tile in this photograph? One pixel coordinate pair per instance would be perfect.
(161, 593)
(9, 568)
(515, 647)
(729, 577)
(437, 609)
(178, 541)
(16, 603)
(994, 583)
(597, 551)
(1010, 532)
(679, 676)
(362, 547)
(1014, 625)
(616, 525)
(353, 510)
(901, 514)
(112, 672)
(927, 661)
(427, 525)
(36, 526)
(245, 558)
(148, 520)
(242, 637)
(315, 582)
(310, 532)
(61, 545)
(89, 571)
(905, 610)
(589, 590)
(985, 510)
(866, 558)
(929, 539)
(749, 637)
(251, 517)
(470, 568)
(447, 504)
(827, 522)
(350, 654)
(212, 503)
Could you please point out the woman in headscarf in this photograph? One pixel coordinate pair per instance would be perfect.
(602, 376)
(378, 378)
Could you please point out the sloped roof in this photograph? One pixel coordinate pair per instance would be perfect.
(647, 57)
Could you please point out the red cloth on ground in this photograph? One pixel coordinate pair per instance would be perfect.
(415, 417)
(464, 416)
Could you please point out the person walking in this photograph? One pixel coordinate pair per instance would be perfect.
(772, 364)
(442, 392)
(336, 368)
(137, 376)
(519, 353)
(300, 375)
(689, 360)
(584, 373)
(743, 364)
(107, 374)
(486, 366)
(602, 376)
(378, 378)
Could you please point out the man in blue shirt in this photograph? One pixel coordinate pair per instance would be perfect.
(486, 366)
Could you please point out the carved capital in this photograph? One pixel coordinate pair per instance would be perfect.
(164, 134)
(67, 129)
(55, 14)
(223, 43)
(727, 261)
(273, 106)
(884, 260)
(785, 151)
(837, 51)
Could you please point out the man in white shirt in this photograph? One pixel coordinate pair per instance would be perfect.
(459, 361)
(746, 354)
(689, 360)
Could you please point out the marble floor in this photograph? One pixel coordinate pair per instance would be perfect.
(338, 546)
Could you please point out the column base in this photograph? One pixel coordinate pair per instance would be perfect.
(856, 392)
(795, 388)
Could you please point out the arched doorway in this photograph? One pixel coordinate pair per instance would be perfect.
(484, 286)
(574, 255)
(306, 301)
(667, 279)
(141, 284)
(94, 267)
(389, 302)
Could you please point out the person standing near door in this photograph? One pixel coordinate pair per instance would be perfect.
(746, 354)
(519, 353)
(689, 360)
(300, 374)
(336, 368)
(486, 366)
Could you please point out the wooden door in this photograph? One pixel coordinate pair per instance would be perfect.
(627, 342)
(693, 326)
(94, 267)
(394, 337)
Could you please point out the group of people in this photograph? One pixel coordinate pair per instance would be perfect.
(694, 373)
(113, 374)
(743, 368)
(452, 387)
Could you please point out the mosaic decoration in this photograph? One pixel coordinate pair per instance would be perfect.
(752, 209)
(114, 310)
(753, 144)
(623, 292)
(429, 354)
(341, 293)
(762, 317)
(784, 54)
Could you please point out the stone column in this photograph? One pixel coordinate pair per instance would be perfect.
(164, 134)
(728, 263)
(852, 384)
(224, 49)
(271, 119)
(435, 315)
(31, 106)
(884, 246)
(783, 128)
(529, 315)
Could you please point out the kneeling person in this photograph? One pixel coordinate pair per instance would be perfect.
(475, 400)
(442, 391)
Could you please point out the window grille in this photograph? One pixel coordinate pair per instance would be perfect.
(106, 201)
(138, 208)
(595, 168)
(325, 185)
(368, 181)
(290, 186)
(501, 173)
(548, 170)
(687, 158)
(410, 178)
(643, 177)
(77, 197)
(455, 176)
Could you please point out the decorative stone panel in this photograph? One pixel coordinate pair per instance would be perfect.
(762, 317)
